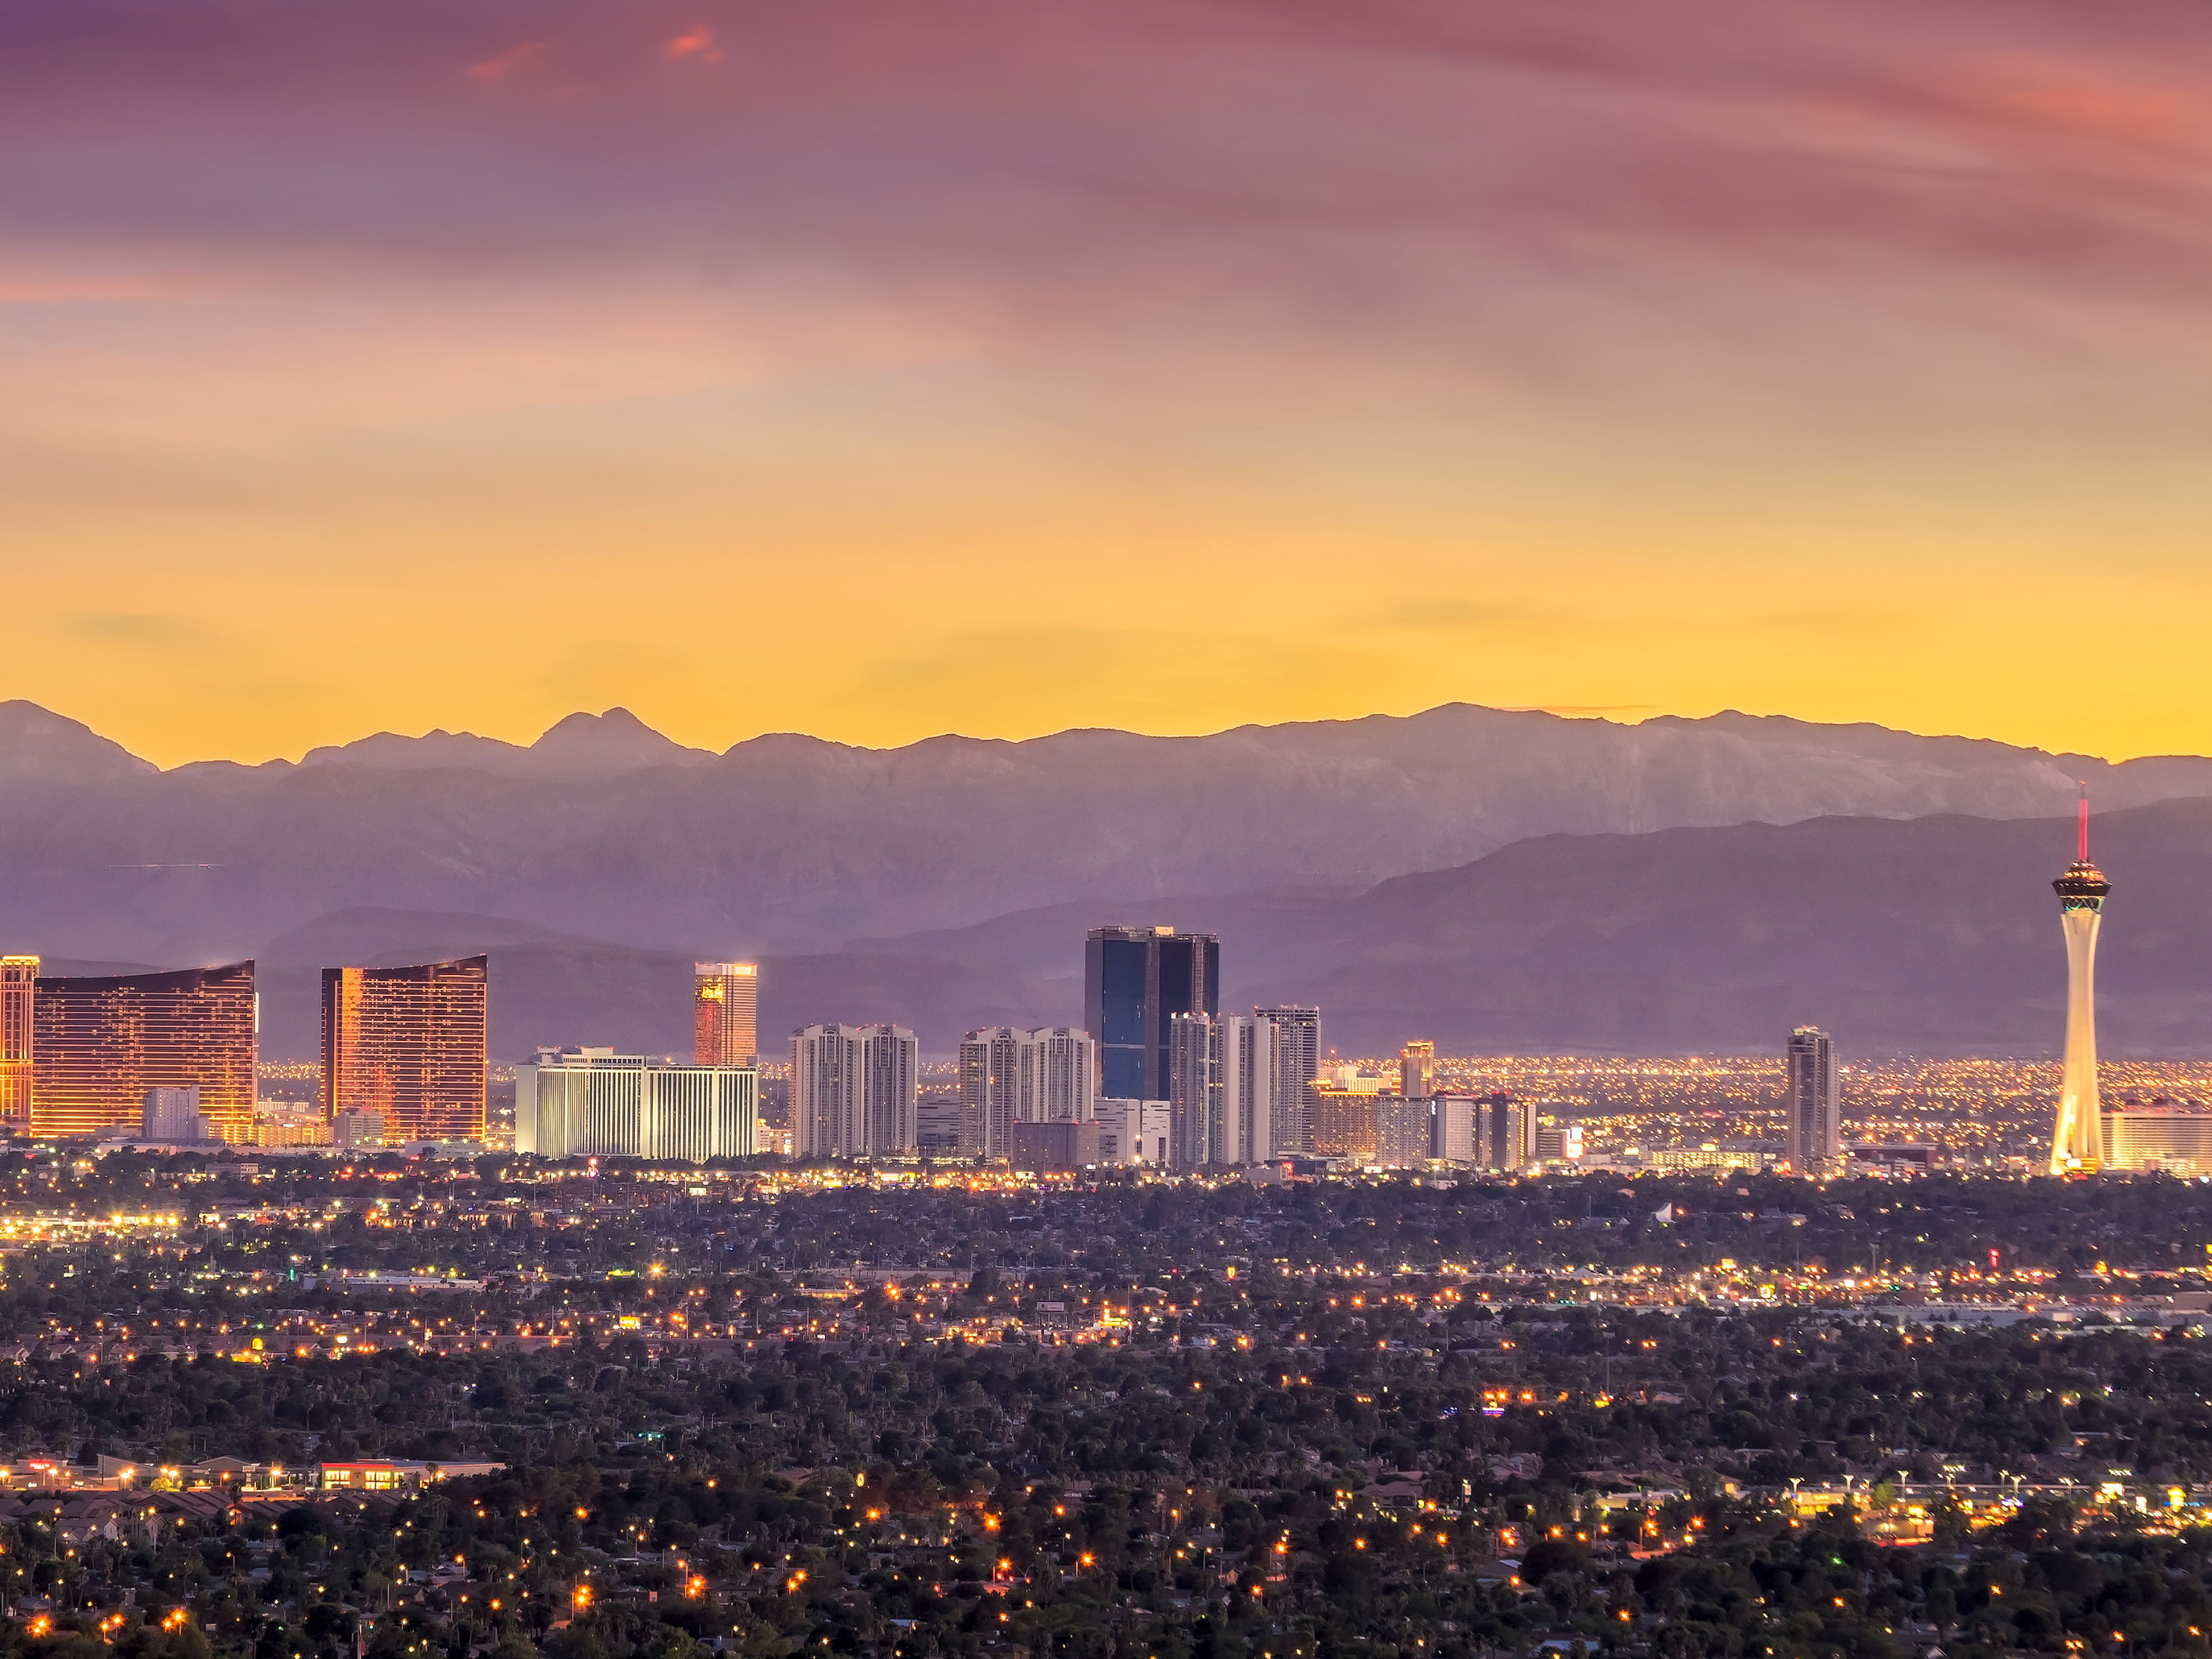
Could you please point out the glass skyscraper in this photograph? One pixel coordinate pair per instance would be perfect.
(1135, 981)
(408, 1044)
(19, 985)
(725, 1013)
(99, 1043)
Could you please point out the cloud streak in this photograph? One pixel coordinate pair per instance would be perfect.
(694, 44)
(1358, 165)
(516, 61)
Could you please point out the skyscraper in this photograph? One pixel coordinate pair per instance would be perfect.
(99, 1043)
(853, 1090)
(1416, 1070)
(1135, 981)
(1056, 1075)
(1251, 1051)
(1814, 1101)
(1344, 1121)
(19, 989)
(1296, 1034)
(990, 1091)
(725, 1013)
(1402, 1131)
(1010, 1076)
(1455, 1128)
(1221, 1089)
(1507, 1138)
(2079, 1140)
(408, 1044)
(1405, 1130)
(1195, 1110)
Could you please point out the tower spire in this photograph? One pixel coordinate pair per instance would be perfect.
(2078, 1142)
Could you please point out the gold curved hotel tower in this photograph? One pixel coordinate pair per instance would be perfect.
(726, 1014)
(2079, 1143)
(409, 1045)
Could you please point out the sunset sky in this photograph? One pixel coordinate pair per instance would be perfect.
(882, 367)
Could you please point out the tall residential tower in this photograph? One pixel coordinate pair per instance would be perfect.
(1296, 1033)
(2078, 1142)
(1816, 1102)
(1009, 1076)
(853, 1092)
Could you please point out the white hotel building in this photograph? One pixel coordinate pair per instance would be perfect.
(579, 1102)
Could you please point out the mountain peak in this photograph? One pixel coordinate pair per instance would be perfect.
(614, 740)
(38, 745)
(579, 745)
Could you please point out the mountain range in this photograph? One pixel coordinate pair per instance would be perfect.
(1495, 879)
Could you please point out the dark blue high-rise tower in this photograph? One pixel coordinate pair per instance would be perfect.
(1134, 978)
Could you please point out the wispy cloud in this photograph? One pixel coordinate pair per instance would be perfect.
(695, 45)
(146, 630)
(530, 55)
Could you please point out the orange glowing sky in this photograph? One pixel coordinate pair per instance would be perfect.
(875, 370)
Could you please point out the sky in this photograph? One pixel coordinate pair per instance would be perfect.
(882, 367)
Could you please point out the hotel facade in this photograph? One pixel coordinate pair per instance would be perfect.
(408, 1044)
(78, 1053)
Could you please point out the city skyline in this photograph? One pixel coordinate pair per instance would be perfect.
(1237, 1094)
(1114, 830)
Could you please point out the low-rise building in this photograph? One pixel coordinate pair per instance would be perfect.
(398, 1476)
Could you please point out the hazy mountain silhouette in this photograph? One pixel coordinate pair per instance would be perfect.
(40, 747)
(608, 745)
(790, 845)
(1935, 935)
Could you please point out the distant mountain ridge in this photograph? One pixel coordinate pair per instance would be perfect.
(1936, 935)
(791, 846)
(1933, 936)
(38, 745)
(606, 745)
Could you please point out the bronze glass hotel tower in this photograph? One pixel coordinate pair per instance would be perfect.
(99, 1043)
(408, 1044)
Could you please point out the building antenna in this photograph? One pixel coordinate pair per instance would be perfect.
(2083, 855)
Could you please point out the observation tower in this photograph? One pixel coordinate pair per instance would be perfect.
(2079, 1141)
